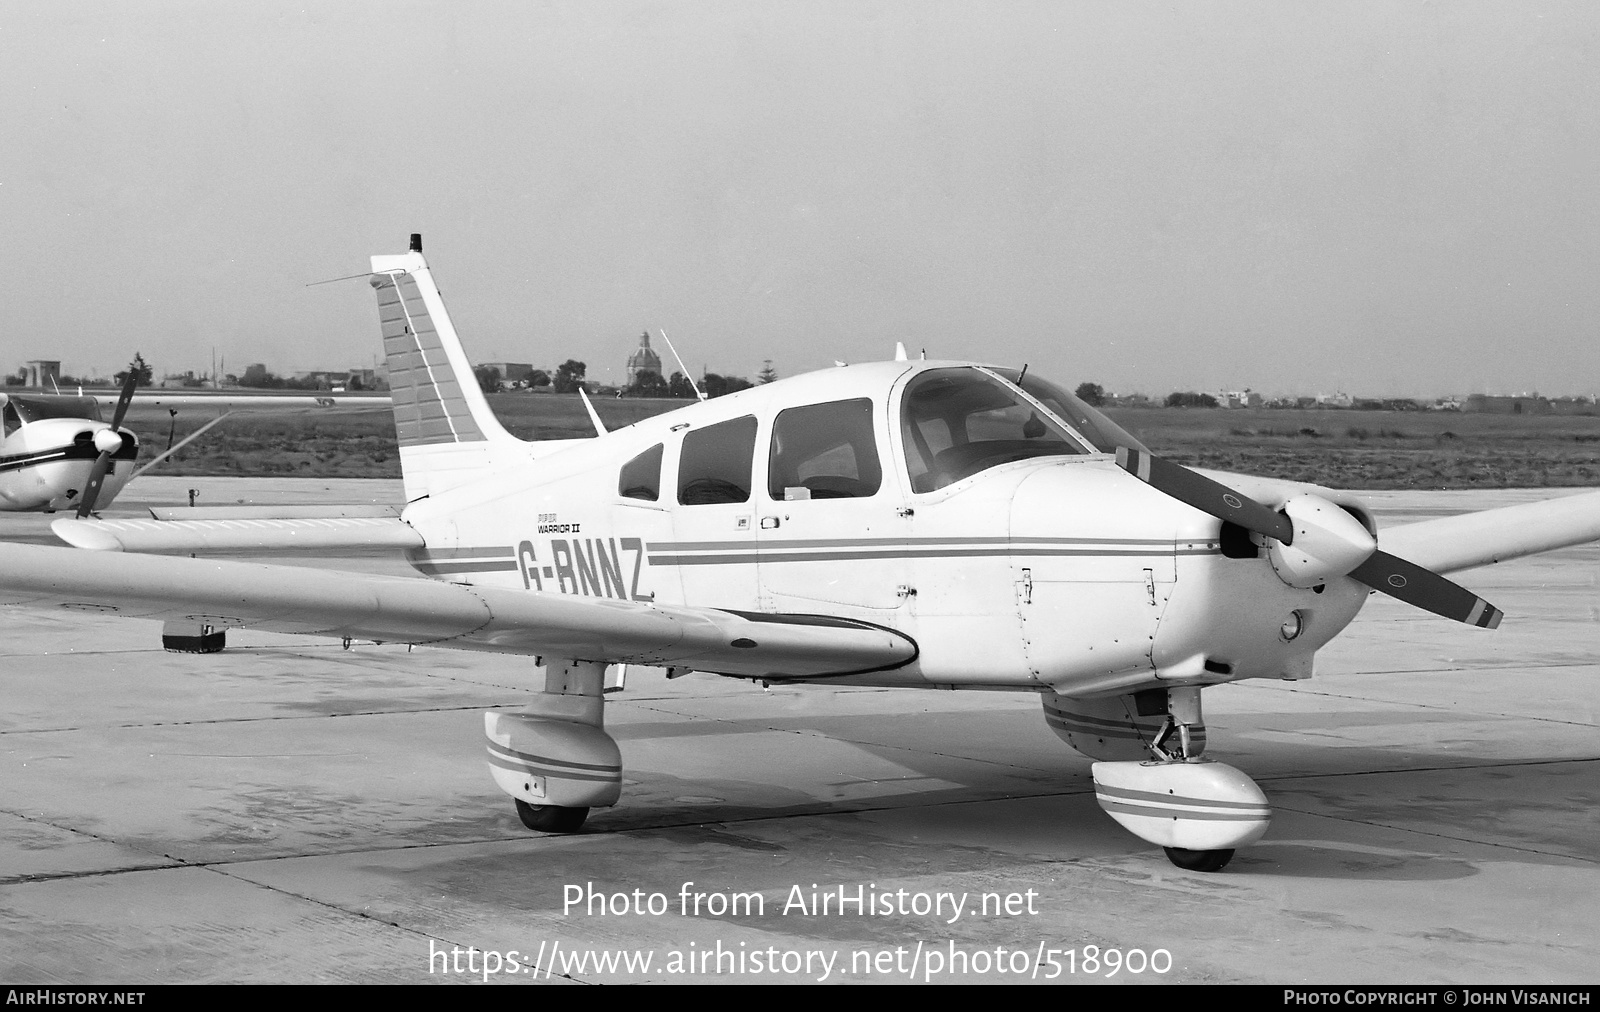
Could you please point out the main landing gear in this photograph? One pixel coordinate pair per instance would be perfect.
(1153, 780)
(551, 818)
(1199, 860)
(554, 757)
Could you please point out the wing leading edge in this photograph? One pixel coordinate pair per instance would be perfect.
(401, 610)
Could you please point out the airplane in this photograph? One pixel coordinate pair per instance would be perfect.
(58, 454)
(53, 444)
(914, 524)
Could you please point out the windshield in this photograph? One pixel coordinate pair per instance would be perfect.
(957, 422)
(32, 409)
(1105, 434)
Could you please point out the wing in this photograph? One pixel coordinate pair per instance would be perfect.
(1461, 542)
(401, 610)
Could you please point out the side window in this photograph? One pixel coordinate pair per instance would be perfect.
(716, 462)
(641, 476)
(825, 451)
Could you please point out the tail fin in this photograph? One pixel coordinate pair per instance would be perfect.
(448, 435)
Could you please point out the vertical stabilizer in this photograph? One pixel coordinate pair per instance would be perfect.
(448, 435)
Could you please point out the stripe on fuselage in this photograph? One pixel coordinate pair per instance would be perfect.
(714, 553)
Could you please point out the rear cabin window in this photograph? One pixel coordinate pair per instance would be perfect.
(824, 451)
(957, 422)
(641, 476)
(715, 465)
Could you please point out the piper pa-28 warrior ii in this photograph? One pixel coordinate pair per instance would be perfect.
(917, 524)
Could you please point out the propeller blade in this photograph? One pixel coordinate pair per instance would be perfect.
(1426, 589)
(97, 478)
(124, 398)
(1407, 581)
(1205, 495)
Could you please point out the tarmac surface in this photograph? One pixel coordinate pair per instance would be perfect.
(291, 811)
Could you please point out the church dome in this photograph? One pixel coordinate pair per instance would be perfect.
(643, 359)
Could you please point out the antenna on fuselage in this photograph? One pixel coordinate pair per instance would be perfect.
(698, 393)
(594, 416)
(900, 352)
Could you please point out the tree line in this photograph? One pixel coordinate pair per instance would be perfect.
(571, 375)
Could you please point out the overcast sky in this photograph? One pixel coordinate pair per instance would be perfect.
(1294, 197)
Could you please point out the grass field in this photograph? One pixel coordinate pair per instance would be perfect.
(1346, 449)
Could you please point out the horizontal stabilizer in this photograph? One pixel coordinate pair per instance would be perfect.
(241, 536)
(394, 609)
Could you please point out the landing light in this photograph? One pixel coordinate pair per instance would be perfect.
(1292, 628)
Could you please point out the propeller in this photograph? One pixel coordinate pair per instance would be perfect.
(107, 441)
(1312, 540)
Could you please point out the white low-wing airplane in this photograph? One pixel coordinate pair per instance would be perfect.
(914, 524)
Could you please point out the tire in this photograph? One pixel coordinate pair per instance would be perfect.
(554, 818)
(1192, 860)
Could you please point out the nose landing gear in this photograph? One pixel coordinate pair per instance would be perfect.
(1198, 810)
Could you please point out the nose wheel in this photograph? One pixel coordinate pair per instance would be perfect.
(1197, 810)
(1174, 745)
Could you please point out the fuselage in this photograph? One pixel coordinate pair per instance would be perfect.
(936, 499)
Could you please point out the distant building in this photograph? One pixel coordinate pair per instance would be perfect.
(345, 379)
(643, 359)
(1519, 404)
(1338, 400)
(1237, 398)
(1530, 404)
(40, 373)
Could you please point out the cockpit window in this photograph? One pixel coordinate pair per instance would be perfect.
(824, 451)
(1105, 434)
(957, 422)
(715, 464)
(32, 409)
(641, 477)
